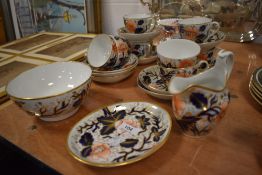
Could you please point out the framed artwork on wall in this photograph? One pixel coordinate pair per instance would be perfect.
(76, 16)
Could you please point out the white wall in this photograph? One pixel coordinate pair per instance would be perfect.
(114, 10)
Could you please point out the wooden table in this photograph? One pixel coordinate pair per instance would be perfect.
(235, 146)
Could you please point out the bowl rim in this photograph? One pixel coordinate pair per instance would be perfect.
(53, 95)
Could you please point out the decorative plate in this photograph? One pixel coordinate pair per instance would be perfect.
(156, 79)
(119, 134)
(154, 94)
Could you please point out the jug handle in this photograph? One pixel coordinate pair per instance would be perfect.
(228, 59)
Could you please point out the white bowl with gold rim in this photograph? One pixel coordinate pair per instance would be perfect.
(51, 92)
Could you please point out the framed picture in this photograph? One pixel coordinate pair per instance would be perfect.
(32, 42)
(68, 49)
(4, 56)
(10, 68)
(77, 16)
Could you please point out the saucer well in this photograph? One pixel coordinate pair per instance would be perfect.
(154, 94)
(156, 79)
(143, 37)
(119, 134)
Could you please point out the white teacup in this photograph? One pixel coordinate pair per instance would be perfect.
(198, 29)
(107, 51)
(178, 53)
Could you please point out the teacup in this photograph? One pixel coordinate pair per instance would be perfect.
(139, 23)
(107, 51)
(178, 53)
(170, 25)
(141, 50)
(198, 29)
(200, 66)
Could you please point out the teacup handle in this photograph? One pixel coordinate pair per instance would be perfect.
(215, 26)
(153, 24)
(228, 59)
(202, 65)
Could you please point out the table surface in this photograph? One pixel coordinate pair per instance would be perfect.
(234, 147)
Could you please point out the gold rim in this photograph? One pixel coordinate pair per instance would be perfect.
(147, 154)
(256, 92)
(254, 96)
(49, 96)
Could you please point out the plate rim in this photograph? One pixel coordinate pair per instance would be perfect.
(147, 154)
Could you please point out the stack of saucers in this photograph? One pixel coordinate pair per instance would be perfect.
(255, 85)
(117, 73)
(110, 58)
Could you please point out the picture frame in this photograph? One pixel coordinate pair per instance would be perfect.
(32, 42)
(72, 48)
(5, 56)
(77, 16)
(11, 68)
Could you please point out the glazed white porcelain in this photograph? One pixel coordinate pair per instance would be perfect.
(107, 51)
(214, 78)
(52, 92)
(99, 50)
(178, 53)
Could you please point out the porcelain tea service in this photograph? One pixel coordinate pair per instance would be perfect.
(110, 58)
(200, 101)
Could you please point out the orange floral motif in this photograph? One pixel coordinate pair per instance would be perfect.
(114, 47)
(178, 105)
(191, 33)
(186, 63)
(131, 25)
(100, 151)
(122, 47)
(202, 56)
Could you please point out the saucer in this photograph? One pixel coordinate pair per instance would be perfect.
(143, 37)
(147, 60)
(213, 41)
(119, 134)
(156, 78)
(112, 70)
(154, 94)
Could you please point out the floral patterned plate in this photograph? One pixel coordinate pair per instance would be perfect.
(119, 134)
(156, 79)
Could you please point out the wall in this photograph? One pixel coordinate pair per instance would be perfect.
(114, 10)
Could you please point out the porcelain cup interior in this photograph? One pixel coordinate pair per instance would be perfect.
(214, 79)
(106, 50)
(139, 23)
(53, 91)
(178, 53)
(198, 29)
